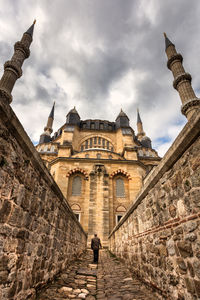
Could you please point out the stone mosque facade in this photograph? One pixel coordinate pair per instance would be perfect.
(99, 166)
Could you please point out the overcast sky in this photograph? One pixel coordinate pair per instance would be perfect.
(101, 56)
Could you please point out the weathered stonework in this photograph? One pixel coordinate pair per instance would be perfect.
(159, 237)
(39, 234)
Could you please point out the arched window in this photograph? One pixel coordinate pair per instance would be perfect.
(103, 143)
(77, 211)
(120, 191)
(76, 186)
(120, 211)
(91, 143)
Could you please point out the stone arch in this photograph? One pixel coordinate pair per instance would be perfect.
(78, 170)
(76, 210)
(121, 172)
(121, 208)
(76, 207)
(119, 213)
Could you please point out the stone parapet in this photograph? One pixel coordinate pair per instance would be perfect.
(159, 235)
(39, 234)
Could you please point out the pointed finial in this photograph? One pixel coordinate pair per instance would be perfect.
(30, 30)
(52, 111)
(167, 42)
(138, 117)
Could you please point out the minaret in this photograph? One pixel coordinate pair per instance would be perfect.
(141, 132)
(12, 68)
(182, 80)
(46, 136)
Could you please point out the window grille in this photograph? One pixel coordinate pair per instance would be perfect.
(120, 191)
(76, 186)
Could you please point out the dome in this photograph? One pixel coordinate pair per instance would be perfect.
(146, 142)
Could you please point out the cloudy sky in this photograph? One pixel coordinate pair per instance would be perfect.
(101, 56)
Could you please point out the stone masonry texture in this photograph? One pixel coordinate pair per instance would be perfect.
(39, 234)
(159, 239)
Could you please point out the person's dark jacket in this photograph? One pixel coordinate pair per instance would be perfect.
(95, 243)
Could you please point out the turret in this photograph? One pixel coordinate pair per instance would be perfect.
(12, 68)
(182, 80)
(122, 120)
(46, 136)
(73, 117)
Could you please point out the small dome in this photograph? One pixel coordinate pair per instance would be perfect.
(73, 111)
(146, 142)
(122, 114)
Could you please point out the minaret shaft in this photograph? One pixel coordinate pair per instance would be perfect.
(182, 80)
(12, 68)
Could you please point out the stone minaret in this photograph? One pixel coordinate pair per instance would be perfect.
(182, 80)
(46, 136)
(12, 68)
(140, 130)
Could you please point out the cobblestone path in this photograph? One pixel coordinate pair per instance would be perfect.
(83, 280)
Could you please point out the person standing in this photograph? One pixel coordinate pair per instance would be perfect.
(95, 245)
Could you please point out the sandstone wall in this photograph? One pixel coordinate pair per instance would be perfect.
(39, 234)
(159, 237)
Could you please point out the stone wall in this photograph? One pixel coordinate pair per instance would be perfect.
(39, 234)
(159, 237)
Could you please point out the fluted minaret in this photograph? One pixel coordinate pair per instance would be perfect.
(182, 80)
(12, 68)
(140, 130)
(46, 136)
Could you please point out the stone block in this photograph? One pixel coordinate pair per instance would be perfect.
(197, 287)
(190, 268)
(16, 217)
(190, 226)
(185, 249)
(5, 211)
(182, 266)
(190, 285)
(163, 250)
(196, 268)
(3, 277)
(172, 211)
